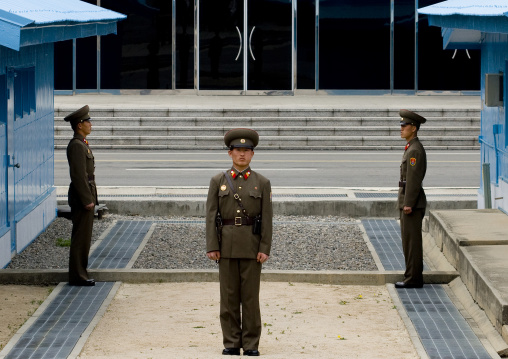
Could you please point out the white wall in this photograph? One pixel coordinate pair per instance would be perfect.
(5, 249)
(35, 222)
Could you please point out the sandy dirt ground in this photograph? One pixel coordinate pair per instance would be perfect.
(181, 320)
(17, 304)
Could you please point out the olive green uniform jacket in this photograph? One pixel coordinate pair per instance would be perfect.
(239, 241)
(239, 271)
(82, 191)
(412, 173)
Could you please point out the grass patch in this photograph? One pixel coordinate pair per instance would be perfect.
(60, 242)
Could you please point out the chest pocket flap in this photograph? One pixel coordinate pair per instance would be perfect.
(224, 193)
(255, 194)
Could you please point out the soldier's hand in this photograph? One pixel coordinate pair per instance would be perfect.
(407, 210)
(90, 206)
(213, 255)
(262, 257)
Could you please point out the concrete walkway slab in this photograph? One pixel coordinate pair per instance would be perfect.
(484, 270)
(468, 227)
(184, 101)
(441, 336)
(475, 242)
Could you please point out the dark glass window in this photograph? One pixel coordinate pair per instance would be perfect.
(306, 44)
(86, 60)
(354, 44)
(439, 69)
(139, 56)
(86, 63)
(63, 65)
(404, 45)
(24, 92)
(184, 44)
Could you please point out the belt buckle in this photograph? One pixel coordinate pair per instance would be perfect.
(238, 221)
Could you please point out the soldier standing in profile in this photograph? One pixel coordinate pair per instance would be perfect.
(411, 199)
(239, 237)
(82, 196)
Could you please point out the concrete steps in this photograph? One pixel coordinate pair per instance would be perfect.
(338, 129)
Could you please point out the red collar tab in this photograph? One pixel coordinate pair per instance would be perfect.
(85, 141)
(407, 146)
(235, 174)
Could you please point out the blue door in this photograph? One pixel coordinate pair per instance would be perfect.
(9, 161)
(4, 220)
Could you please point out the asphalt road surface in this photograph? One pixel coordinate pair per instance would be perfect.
(284, 168)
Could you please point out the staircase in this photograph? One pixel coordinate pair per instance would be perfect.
(279, 129)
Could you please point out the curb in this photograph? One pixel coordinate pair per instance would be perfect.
(27, 277)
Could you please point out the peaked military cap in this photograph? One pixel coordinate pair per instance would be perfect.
(78, 116)
(241, 137)
(411, 118)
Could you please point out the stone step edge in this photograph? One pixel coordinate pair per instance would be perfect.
(272, 148)
(263, 128)
(288, 118)
(284, 138)
(48, 276)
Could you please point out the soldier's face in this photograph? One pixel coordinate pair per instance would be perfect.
(407, 131)
(241, 157)
(85, 127)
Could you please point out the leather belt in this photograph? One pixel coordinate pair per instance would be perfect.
(238, 221)
(402, 183)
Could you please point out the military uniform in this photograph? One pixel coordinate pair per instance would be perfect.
(239, 271)
(82, 191)
(411, 194)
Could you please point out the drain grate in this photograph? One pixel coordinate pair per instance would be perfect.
(443, 331)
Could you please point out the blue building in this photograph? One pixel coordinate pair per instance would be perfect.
(28, 31)
(483, 25)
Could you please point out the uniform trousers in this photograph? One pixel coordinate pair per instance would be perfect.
(81, 238)
(239, 287)
(411, 232)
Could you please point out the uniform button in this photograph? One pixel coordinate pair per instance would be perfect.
(237, 211)
(239, 187)
(240, 176)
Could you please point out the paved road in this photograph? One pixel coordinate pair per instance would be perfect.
(284, 168)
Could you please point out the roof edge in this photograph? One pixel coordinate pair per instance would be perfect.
(490, 24)
(14, 19)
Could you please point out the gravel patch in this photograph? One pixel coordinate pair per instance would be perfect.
(44, 253)
(299, 243)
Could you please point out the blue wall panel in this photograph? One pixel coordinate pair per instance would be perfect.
(33, 145)
(493, 149)
(3, 144)
(33, 138)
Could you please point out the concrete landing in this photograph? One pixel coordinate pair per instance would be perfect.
(475, 242)
(332, 201)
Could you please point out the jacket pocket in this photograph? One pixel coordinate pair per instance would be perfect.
(224, 193)
(255, 194)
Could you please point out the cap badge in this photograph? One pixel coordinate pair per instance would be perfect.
(412, 161)
(242, 140)
(223, 187)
